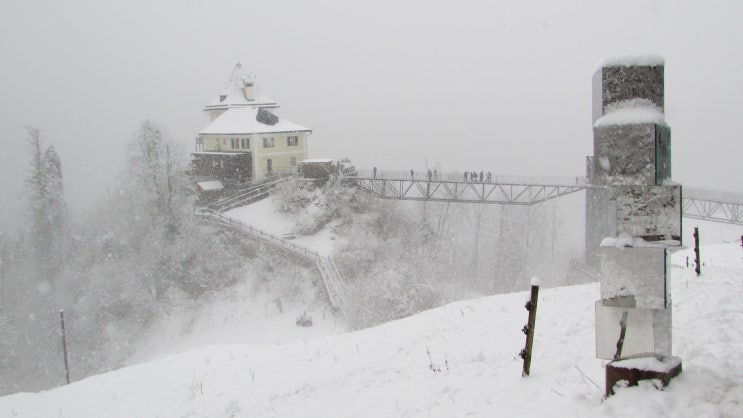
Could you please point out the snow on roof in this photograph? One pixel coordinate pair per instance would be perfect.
(233, 92)
(629, 112)
(317, 160)
(233, 153)
(244, 121)
(634, 61)
(210, 185)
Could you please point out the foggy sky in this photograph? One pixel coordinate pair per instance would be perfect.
(495, 86)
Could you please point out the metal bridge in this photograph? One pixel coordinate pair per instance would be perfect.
(713, 206)
(700, 204)
(464, 192)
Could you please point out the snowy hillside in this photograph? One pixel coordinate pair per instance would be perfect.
(387, 371)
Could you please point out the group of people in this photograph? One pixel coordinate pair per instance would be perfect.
(473, 177)
(469, 176)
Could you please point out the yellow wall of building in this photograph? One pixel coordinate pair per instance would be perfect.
(223, 143)
(280, 154)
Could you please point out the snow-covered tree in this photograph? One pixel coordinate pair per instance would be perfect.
(37, 193)
(55, 206)
(47, 206)
(156, 168)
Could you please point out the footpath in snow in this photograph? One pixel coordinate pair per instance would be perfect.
(387, 371)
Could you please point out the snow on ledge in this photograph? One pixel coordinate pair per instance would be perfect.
(631, 112)
(648, 60)
(535, 281)
(648, 363)
(625, 240)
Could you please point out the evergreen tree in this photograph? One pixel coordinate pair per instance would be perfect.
(37, 195)
(55, 206)
(47, 206)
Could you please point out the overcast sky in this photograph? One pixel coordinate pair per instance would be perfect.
(500, 86)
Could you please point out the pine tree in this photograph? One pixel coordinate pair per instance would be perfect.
(55, 206)
(37, 195)
(47, 206)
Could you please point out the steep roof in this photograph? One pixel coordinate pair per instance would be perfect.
(245, 120)
(233, 92)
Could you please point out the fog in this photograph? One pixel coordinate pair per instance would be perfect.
(504, 87)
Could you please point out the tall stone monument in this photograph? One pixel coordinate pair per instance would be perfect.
(633, 218)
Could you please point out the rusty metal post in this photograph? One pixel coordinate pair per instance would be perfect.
(528, 329)
(698, 268)
(64, 346)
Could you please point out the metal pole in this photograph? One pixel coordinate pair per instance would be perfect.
(698, 268)
(64, 346)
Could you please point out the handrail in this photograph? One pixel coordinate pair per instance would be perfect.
(328, 270)
(298, 249)
(233, 201)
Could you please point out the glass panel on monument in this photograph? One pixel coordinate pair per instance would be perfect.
(652, 213)
(644, 334)
(633, 276)
(624, 154)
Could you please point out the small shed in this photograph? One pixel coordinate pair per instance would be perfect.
(317, 168)
(209, 191)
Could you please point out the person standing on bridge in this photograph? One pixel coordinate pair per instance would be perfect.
(412, 174)
(430, 174)
(490, 177)
(435, 174)
(374, 172)
(465, 176)
(480, 176)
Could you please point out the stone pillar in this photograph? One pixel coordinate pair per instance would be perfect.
(633, 217)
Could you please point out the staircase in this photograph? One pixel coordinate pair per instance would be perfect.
(331, 279)
(247, 193)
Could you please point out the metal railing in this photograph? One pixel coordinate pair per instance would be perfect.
(331, 278)
(465, 192)
(246, 195)
(218, 217)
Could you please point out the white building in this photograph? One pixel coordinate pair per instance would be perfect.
(246, 140)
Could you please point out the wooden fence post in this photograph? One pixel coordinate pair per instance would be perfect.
(64, 346)
(528, 329)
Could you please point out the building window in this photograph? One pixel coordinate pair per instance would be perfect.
(292, 141)
(293, 161)
(246, 143)
(268, 142)
(235, 143)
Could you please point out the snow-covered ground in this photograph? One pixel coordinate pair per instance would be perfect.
(263, 215)
(238, 316)
(387, 371)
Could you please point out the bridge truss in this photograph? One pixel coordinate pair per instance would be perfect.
(464, 192)
(697, 203)
(713, 210)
